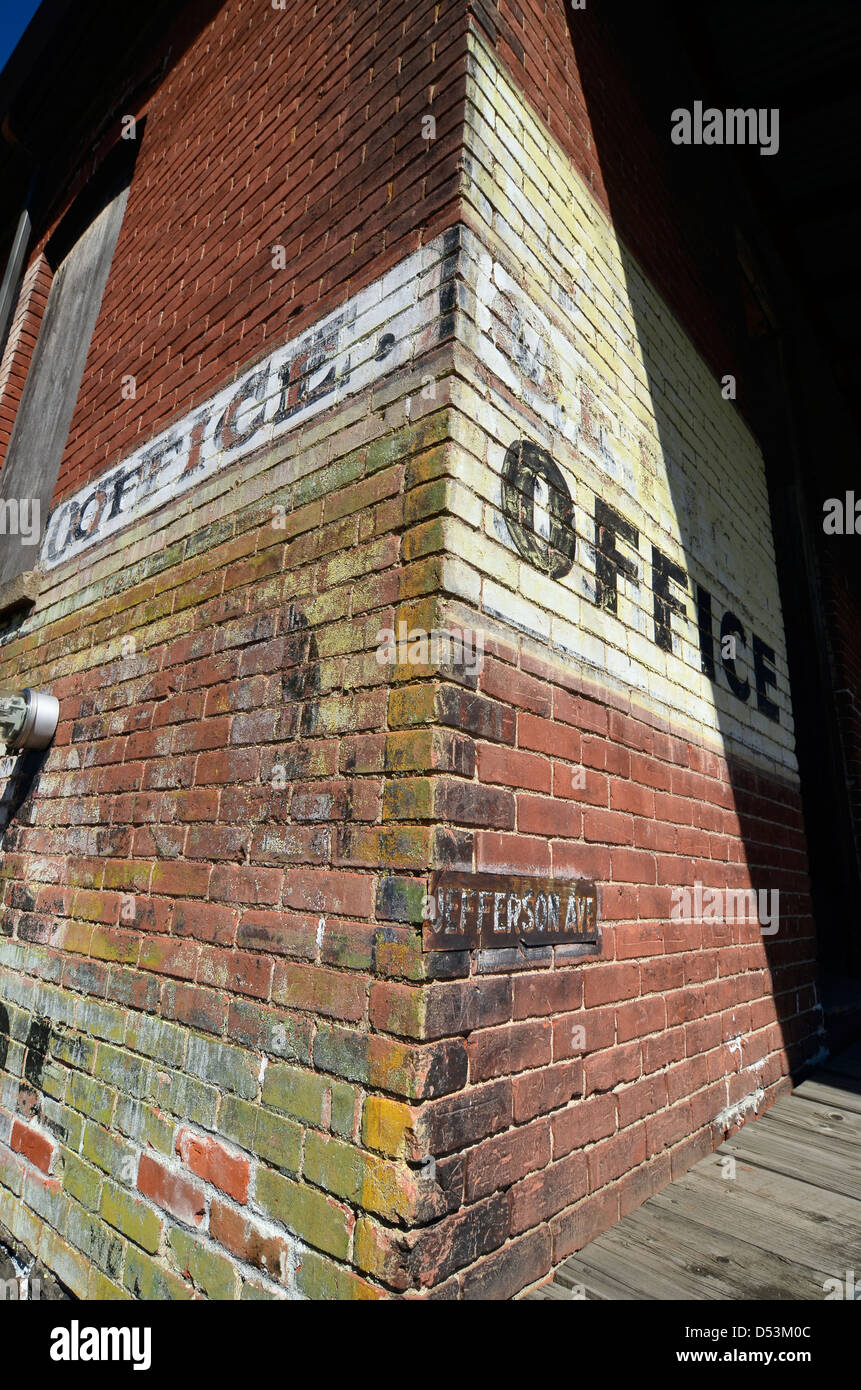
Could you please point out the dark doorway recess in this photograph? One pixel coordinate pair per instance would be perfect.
(754, 255)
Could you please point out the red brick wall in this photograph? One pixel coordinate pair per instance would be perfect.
(300, 127)
(243, 1083)
(591, 1085)
(199, 899)
(18, 352)
(569, 67)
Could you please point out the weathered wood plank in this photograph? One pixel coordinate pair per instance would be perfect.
(603, 1287)
(569, 1283)
(661, 1254)
(787, 1221)
(814, 1241)
(734, 1267)
(51, 389)
(786, 1192)
(830, 1092)
(781, 1151)
(609, 1273)
(810, 1123)
(560, 1291)
(820, 1116)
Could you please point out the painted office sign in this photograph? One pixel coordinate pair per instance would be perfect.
(529, 469)
(383, 327)
(632, 493)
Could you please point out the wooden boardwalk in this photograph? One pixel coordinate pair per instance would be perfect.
(789, 1219)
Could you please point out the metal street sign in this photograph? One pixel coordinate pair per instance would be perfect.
(470, 911)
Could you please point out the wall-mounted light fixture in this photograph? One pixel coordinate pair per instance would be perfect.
(28, 718)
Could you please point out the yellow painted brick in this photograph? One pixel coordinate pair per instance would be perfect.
(387, 1125)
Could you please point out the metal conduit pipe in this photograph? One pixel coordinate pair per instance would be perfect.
(28, 718)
